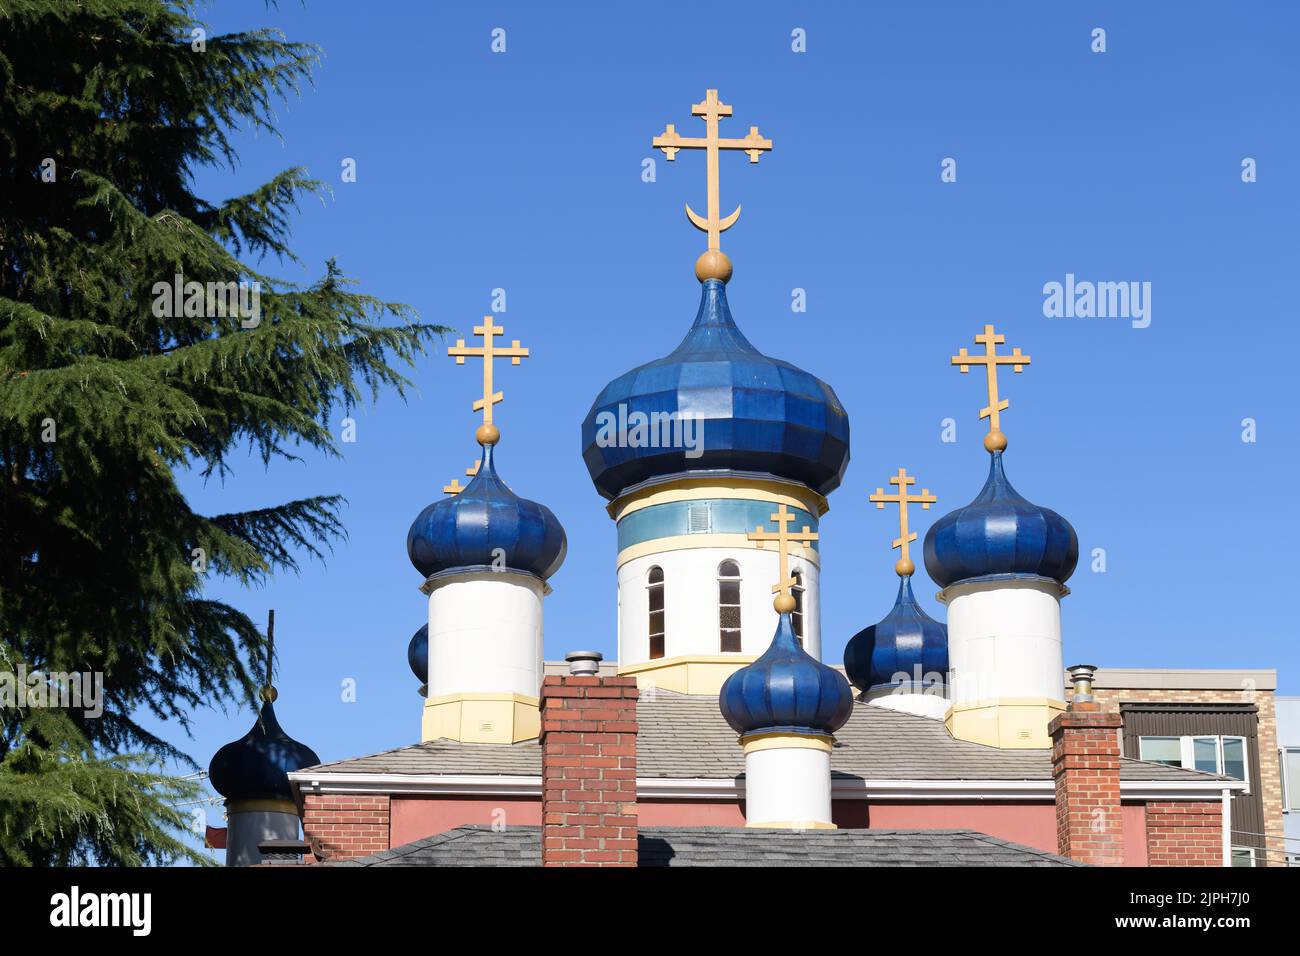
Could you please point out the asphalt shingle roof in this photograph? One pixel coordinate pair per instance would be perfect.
(481, 845)
(685, 737)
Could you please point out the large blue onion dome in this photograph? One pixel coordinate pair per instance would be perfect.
(760, 415)
(417, 653)
(486, 526)
(254, 767)
(907, 642)
(1000, 535)
(786, 690)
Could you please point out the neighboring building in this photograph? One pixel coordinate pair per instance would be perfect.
(1217, 721)
(1288, 744)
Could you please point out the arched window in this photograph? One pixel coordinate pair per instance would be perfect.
(655, 587)
(729, 607)
(796, 617)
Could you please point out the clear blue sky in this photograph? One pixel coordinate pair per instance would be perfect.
(522, 170)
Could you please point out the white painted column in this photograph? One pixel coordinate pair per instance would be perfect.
(788, 781)
(485, 634)
(1004, 641)
(691, 602)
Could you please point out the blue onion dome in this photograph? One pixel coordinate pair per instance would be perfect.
(907, 642)
(486, 526)
(254, 767)
(760, 416)
(417, 653)
(1000, 535)
(786, 690)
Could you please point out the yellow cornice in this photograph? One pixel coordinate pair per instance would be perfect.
(749, 489)
(785, 741)
(262, 806)
(684, 542)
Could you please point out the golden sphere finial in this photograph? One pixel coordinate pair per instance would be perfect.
(269, 694)
(904, 567)
(487, 434)
(784, 603)
(995, 441)
(713, 264)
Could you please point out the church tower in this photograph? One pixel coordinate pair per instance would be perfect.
(695, 450)
(252, 774)
(1002, 563)
(902, 661)
(786, 707)
(486, 555)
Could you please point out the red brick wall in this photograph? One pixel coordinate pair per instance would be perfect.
(589, 771)
(1185, 833)
(1085, 766)
(346, 824)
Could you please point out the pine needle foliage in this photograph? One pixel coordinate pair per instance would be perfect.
(108, 109)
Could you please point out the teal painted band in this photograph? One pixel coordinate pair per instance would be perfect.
(711, 516)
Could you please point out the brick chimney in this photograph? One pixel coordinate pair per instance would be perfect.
(588, 767)
(1085, 766)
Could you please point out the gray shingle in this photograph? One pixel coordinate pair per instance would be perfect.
(481, 845)
(685, 737)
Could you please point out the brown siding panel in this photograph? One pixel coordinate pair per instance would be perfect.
(1189, 719)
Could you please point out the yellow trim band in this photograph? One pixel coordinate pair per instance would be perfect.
(792, 825)
(684, 542)
(481, 718)
(1011, 723)
(695, 674)
(687, 489)
(783, 741)
(262, 806)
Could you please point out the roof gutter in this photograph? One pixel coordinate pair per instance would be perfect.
(731, 788)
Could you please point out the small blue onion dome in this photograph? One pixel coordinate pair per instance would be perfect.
(417, 653)
(907, 642)
(760, 415)
(486, 525)
(254, 767)
(786, 690)
(1000, 535)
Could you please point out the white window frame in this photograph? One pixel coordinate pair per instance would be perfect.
(1254, 859)
(1187, 751)
(738, 578)
(1287, 755)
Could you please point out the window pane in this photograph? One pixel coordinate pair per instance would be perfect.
(796, 619)
(728, 592)
(730, 641)
(729, 617)
(1234, 758)
(656, 575)
(728, 569)
(1293, 778)
(1242, 856)
(1168, 750)
(1205, 754)
(656, 646)
(657, 599)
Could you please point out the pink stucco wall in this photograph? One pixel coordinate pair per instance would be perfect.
(1033, 824)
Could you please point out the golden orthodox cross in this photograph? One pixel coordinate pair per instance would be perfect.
(712, 110)
(783, 537)
(995, 441)
(487, 352)
(456, 487)
(905, 537)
